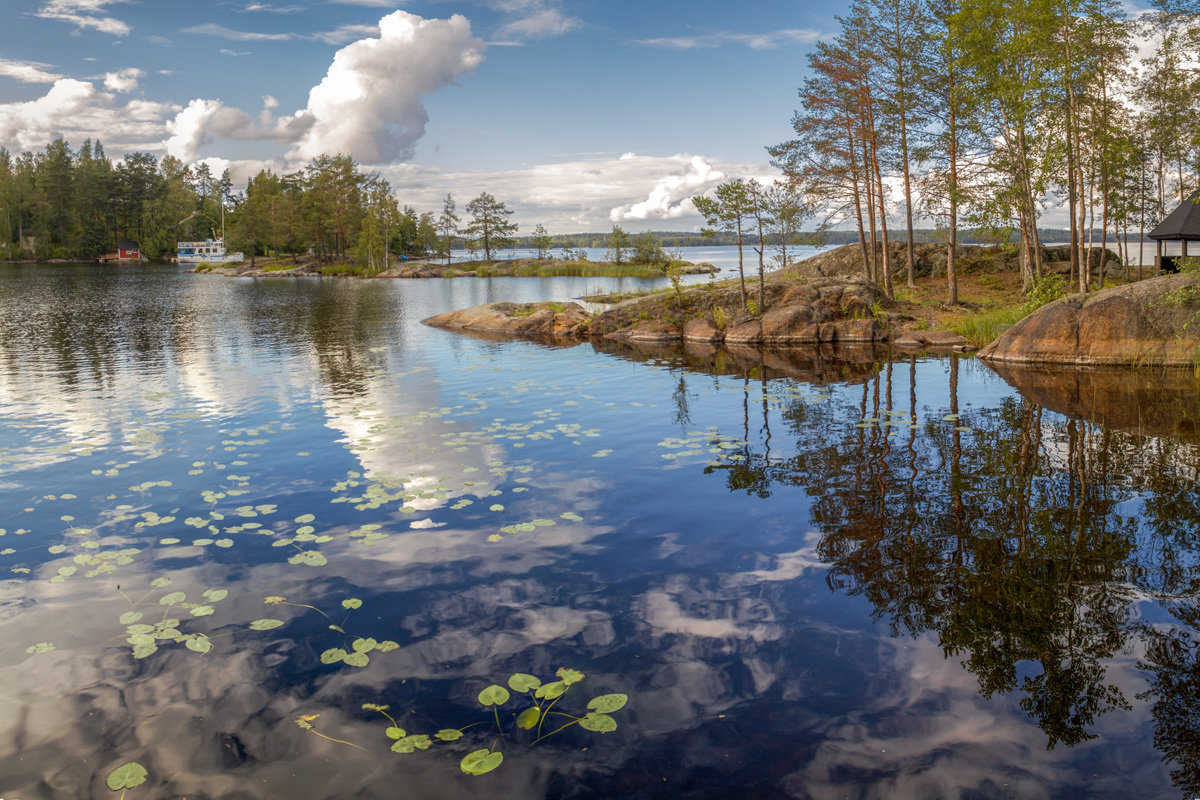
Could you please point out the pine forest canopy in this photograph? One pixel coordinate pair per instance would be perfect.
(982, 113)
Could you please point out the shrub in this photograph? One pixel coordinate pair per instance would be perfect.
(1047, 290)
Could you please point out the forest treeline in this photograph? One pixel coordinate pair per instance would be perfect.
(981, 114)
(61, 203)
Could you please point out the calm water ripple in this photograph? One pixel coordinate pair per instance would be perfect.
(236, 511)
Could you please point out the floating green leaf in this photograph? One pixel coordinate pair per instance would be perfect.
(305, 518)
(351, 603)
(449, 734)
(494, 696)
(480, 762)
(172, 598)
(522, 682)
(528, 718)
(202, 611)
(408, 744)
(333, 655)
(126, 776)
(200, 644)
(387, 646)
(130, 617)
(364, 645)
(310, 557)
(608, 703)
(395, 733)
(216, 595)
(551, 691)
(143, 650)
(40, 648)
(600, 723)
(569, 676)
(265, 624)
(356, 659)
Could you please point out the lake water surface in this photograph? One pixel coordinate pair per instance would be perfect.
(236, 511)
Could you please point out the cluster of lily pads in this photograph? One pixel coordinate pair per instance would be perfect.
(357, 654)
(146, 637)
(542, 698)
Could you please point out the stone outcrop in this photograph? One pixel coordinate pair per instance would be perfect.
(930, 259)
(523, 319)
(1155, 321)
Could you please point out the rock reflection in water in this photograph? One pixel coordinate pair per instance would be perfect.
(728, 584)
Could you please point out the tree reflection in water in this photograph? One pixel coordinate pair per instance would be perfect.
(1026, 540)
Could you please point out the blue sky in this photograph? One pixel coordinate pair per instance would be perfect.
(578, 113)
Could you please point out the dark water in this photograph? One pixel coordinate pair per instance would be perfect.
(823, 575)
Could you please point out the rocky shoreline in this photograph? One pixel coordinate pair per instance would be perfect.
(825, 311)
(1151, 322)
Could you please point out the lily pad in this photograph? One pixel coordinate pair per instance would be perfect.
(130, 617)
(600, 723)
(569, 676)
(608, 703)
(200, 644)
(127, 776)
(408, 744)
(333, 655)
(494, 696)
(449, 734)
(352, 602)
(528, 718)
(265, 624)
(309, 557)
(356, 659)
(395, 733)
(40, 648)
(551, 691)
(522, 682)
(481, 762)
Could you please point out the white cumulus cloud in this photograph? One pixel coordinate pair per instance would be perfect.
(369, 103)
(85, 14)
(27, 71)
(123, 81)
(202, 121)
(671, 197)
(76, 110)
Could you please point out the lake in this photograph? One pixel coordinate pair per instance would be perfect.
(275, 538)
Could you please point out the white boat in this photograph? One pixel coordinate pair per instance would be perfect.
(210, 251)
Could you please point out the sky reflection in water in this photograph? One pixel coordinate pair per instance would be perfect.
(814, 575)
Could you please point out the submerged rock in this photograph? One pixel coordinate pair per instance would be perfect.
(1154, 321)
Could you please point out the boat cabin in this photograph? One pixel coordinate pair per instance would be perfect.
(1173, 234)
(208, 247)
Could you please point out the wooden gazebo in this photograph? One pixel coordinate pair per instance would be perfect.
(1181, 225)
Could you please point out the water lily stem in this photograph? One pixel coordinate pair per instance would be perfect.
(543, 717)
(556, 730)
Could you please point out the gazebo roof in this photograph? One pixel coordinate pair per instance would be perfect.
(1182, 223)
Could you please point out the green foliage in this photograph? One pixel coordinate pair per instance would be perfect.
(1050, 288)
(752, 308)
(981, 328)
(720, 318)
(647, 251)
(1189, 264)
